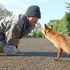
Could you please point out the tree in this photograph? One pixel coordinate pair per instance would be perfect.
(67, 16)
(55, 23)
(68, 6)
(4, 12)
(52, 22)
(62, 25)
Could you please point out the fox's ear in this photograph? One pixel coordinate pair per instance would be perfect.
(52, 26)
(45, 26)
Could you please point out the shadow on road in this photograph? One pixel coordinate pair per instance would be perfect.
(47, 54)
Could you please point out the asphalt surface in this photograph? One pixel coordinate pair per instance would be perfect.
(37, 54)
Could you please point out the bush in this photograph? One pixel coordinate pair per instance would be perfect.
(38, 34)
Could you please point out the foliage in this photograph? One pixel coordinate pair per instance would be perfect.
(62, 25)
(68, 6)
(67, 16)
(38, 34)
(4, 12)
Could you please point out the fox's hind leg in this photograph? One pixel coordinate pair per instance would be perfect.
(69, 55)
(59, 54)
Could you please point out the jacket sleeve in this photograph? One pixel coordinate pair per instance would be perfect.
(12, 33)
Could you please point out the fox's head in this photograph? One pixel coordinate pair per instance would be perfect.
(46, 29)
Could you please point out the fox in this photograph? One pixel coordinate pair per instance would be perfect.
(60, 41)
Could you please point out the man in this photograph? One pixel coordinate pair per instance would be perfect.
(13, 28)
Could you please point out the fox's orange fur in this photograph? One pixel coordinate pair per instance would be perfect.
(61, 42)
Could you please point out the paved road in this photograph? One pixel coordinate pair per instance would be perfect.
(37, 54)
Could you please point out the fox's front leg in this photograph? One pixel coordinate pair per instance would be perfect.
(59, 54)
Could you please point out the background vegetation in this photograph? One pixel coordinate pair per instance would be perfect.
(4, 12)
(62, 25)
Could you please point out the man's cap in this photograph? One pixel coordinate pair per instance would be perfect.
(33, 11)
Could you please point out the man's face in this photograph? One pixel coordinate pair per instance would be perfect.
(33, 20)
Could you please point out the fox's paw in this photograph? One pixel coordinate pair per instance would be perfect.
(69, 55)
(56, 59)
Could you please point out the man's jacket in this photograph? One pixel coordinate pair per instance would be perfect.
(14, 28)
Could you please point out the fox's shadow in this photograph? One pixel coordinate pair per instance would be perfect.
(47, 54)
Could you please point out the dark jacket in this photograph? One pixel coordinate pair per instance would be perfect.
(14, 28)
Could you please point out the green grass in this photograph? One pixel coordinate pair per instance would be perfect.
(1, 49)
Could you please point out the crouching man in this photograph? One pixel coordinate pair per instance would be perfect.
(13, 28)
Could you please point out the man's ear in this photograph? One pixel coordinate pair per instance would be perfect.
(45, 26)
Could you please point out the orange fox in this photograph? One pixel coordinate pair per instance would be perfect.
(61, 42)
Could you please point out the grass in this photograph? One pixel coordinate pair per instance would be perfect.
(1, 49)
